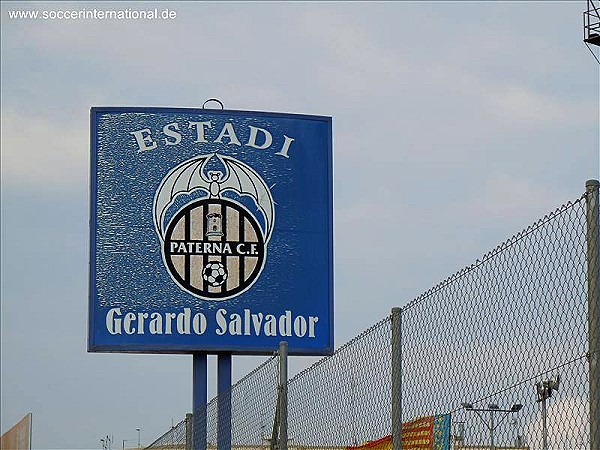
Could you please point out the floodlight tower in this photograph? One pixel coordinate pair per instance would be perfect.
(591, 25)
(544, 391)
(492, 409)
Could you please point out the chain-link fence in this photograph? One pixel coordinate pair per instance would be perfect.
(476, 344)
(253, 402)
(344, 399)
(496, 356)
(175, 438)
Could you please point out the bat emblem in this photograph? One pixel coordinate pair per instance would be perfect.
(214, 246)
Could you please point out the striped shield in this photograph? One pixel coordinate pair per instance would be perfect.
(214, 248)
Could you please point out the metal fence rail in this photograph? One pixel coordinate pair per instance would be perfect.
(477, 349)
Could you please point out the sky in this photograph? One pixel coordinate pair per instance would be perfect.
(455, 125)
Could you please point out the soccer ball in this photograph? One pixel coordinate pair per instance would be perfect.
(214, 273)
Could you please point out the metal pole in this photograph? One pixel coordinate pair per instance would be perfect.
(189, 431)
(593, 262)
(396, 379)
(544, 427)
(492, 446)
(273, 442)
(200, 399)
(283, 379)
(224, 401)
(30, 430)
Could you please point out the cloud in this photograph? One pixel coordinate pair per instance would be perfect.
(517, 106)
(352, 62)
(41, 154)
(330, 55)
(505, 196)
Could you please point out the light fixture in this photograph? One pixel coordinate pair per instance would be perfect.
(544, 391)
(492, 409)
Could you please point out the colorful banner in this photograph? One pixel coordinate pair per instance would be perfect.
(427, 433)
(384, 443)
(424, 433)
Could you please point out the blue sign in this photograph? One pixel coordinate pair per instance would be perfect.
(211, 230)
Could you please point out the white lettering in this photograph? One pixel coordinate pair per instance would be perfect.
(169, 130)
(285, 324)
(235, 326)
(286, 146)
(257, 138)
(141, 321)
(129, 317)
(257, 322)
(311, 325)
(169, 322)
(199, 323)
(228, 132)
(268, 139)
(270, 325)
(246, 322)
(143, 139)
(300, 326)
(221, 322)
(184, 321)
(113, 325)
(156, 323)
(199, 126)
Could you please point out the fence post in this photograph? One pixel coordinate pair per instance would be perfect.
(189, 431)
(396, 379)
(283, 382)
(593, 265)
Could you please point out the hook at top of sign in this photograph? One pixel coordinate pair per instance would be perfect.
(213, 100)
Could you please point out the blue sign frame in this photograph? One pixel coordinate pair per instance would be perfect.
(210, 230)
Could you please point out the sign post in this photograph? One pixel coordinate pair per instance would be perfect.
(224, 401)
(211, 231)
(200, 399)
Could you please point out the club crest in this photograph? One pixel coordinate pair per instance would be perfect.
(214, 245)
